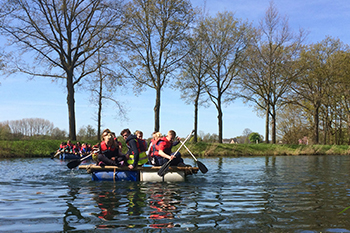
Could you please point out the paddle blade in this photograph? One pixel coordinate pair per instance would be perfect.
(202, 167)
(73, 164)
(164, 168)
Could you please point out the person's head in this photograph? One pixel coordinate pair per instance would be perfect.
(171, 135)
(104, 133)
(156, 135)
(139, 134)
(109, 139)
(125, 133)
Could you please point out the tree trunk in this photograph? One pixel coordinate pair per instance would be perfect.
(157, 111)
(196, 118)
(348, 115)
(316, 122)
(273, 125)
(220, 124)
(71, 106)
(267, 122)
(99, 112)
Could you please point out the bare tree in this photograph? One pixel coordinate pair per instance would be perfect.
(30, 127)
(226, 38)
(193, 76)
(62, 35)
(271, 67)
(103, 85)
(154, 43)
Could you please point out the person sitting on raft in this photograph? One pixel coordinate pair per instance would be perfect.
(162, 151)
(109, 152)
(77, 148)
(139, 135)
(69, 147)
(152, 147)
(62, 147)
(136, 155)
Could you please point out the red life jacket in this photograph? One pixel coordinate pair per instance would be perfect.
(140, 146)
(104, 147)
(155, 147)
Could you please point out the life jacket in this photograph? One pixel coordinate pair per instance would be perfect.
(142, 153)
(76, 148)
(105, 148)
(70, 145)
(155, 147)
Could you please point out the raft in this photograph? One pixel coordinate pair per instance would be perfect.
(146, 173)
(68, 156)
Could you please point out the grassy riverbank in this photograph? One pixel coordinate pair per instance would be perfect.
(43, 148)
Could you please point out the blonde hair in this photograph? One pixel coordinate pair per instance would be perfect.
(157, 135)
(105, 132)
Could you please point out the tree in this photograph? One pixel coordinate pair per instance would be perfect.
(255, 137)
(30, 127)
(226, 38)
(193, 76)
(271, 66)
(86, 133)
(5, 131)
(311, 88)
(155, 43)
(58, 134)
(62, 35)
(293, 124)
(103, 85)
(245, 135)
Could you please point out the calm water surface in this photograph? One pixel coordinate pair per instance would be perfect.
(255, 194)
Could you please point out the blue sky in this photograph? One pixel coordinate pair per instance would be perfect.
(41, 98)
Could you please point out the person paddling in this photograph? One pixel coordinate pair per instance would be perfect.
(163, 154)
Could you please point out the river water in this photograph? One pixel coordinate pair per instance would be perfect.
(247, 194)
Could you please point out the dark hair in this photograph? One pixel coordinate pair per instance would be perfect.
(125, 131)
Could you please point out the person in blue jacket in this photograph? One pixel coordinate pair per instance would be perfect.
(136, 155)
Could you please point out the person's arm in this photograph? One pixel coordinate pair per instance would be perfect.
(177, 141)
(165, 155)
(134, 149)
(149, 149)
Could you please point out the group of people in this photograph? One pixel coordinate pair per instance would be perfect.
(78, 148)
(157, 154)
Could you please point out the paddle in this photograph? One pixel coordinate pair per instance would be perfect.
(57, 153)
(166, 166)
(75, 163)
(201, 166)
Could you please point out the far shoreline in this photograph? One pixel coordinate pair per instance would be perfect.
(44, 148)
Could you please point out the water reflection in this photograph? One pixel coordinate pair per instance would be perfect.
(163, 201)
(254, 194)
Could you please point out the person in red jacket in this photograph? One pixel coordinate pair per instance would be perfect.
(163, 154)
(109, 151)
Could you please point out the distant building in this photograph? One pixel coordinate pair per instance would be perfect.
(230, 141)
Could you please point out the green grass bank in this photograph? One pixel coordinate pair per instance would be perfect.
(43, 148)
